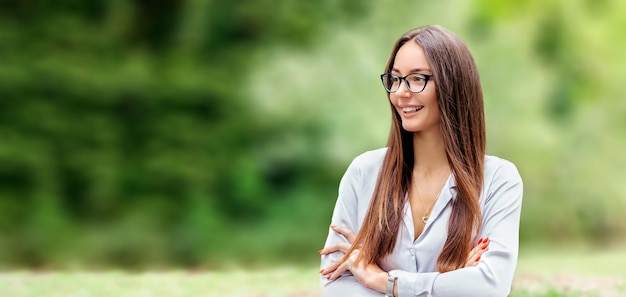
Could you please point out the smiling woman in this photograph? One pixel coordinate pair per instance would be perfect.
(430, 214)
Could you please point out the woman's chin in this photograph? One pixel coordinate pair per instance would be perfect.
(411, 128)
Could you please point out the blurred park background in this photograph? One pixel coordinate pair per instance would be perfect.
(205, 134)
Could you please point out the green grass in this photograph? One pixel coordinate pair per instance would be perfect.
(588, 261)
(578, 271)
(540, 274)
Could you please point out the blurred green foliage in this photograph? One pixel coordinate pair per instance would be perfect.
(203, 133)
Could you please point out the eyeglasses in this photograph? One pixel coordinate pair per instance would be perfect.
(415, 82)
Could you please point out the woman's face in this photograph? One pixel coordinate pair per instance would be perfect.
(419, 111)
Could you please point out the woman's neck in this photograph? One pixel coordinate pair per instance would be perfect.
(429, 153)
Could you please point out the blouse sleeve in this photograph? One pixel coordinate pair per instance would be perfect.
(494, 273)
(345, 215)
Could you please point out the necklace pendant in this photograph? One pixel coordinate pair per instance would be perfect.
(425, 219)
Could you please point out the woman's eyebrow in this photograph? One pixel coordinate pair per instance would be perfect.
(413, 70)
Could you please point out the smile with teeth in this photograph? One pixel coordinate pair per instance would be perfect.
(409, 109)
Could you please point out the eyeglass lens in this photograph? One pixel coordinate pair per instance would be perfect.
(415, 82)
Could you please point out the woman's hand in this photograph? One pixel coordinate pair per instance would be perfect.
(370, 275)
(474, 256)
(338, 247)
(341, 246)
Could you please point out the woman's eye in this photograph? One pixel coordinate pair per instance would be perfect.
(417, 78)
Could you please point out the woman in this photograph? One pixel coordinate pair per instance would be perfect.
(426, 207)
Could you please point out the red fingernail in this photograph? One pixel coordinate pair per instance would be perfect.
(328, 277)
(486, 240)
(484, 247)
(480, 240)
(477, 258)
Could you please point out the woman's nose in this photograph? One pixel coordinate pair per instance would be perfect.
(403, 89)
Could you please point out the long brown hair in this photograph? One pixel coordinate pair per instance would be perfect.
(460, 101)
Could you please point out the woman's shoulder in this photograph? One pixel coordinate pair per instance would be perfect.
(370, 158)
(497, 168)
(369, 161)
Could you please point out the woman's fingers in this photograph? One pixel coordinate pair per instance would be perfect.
(474, 255)
(349, 234)
(341, 269)
(332, 267)
(345, 266)
(340, 246)
(338, 267)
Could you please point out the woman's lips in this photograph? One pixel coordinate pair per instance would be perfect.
(411, 110)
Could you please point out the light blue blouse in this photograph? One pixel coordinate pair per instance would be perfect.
(500, 201)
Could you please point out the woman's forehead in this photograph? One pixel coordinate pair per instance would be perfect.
(410, 58)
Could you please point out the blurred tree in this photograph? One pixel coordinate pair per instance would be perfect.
(131, 113)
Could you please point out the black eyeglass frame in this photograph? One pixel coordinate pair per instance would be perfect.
(406, 83)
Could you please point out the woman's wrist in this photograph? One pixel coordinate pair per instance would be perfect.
(378, 282)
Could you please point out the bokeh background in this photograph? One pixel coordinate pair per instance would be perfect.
(204, 134)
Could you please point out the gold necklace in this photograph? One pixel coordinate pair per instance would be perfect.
(426, 213)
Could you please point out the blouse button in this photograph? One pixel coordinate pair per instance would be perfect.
(412, 251)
